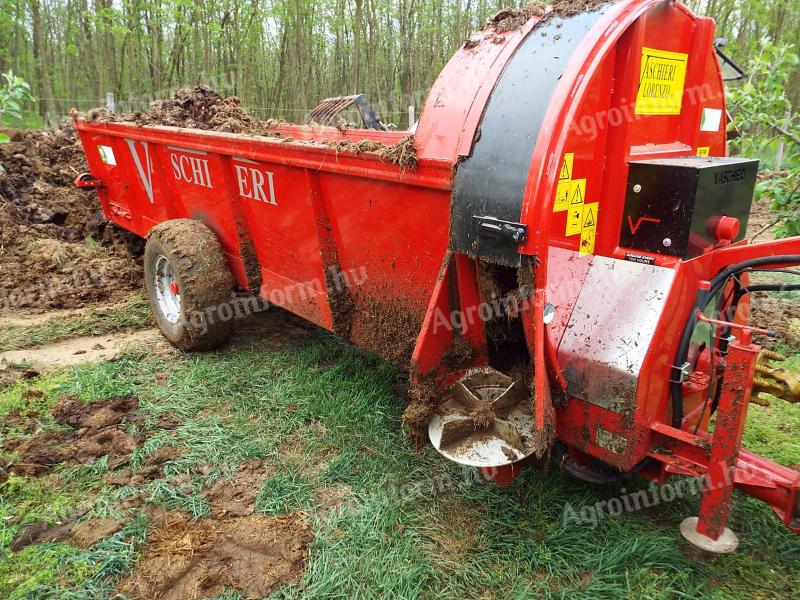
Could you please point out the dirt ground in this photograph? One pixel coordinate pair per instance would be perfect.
(253, 555)
(45, 262)
(77, 351)
(232, 549)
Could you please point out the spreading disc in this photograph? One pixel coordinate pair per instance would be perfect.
(485, 422)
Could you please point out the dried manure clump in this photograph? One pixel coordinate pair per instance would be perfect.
(482, 415)
(511, 19)
(196, 108)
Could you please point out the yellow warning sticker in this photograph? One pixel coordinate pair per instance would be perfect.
(661, 82)
(577, 193)
(565, 174)
(565, 183)
(574, 216)
(589, 227)
(705, 151)
(571, 197)
(562, 196)
(590, 215)
(575, 208)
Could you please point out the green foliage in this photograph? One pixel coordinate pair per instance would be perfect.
(759, 108)
(760, 103)
(14, 92)
(782, 191)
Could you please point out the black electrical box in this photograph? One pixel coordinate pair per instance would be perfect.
(673, 205)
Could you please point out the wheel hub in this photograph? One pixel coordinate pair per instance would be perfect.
(167, 290)
(486, 421)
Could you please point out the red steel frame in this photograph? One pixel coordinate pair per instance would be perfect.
(334, 209)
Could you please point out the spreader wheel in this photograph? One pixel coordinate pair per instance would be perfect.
(486, 422)
(187, 281)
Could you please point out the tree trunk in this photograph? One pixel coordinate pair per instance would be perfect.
(47, 104)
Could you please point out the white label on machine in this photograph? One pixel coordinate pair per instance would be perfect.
(107, 155)
(711, 119)
(611, 441)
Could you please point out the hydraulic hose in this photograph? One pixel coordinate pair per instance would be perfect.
(703, 298)
(573, 468)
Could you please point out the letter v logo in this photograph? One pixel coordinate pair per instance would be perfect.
(145, 170)
(635, 227)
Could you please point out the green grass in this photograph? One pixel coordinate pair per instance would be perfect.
(324, 415)
(132, 315)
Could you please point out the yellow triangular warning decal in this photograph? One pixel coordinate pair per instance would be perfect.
(565, 174)
(577, 197)
(590, 222)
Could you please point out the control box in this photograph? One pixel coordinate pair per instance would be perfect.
(681, 206)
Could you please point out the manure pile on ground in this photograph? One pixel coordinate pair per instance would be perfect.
(45, 259)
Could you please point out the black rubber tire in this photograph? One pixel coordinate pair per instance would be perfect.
(205, 282)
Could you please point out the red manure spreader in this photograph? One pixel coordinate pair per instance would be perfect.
(559, 253)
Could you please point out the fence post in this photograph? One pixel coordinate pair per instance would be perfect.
(412, 115)
(111, 104)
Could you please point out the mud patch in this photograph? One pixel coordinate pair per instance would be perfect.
(111, 411)
(253, 555)
(11, 374)
(41, 532)
(236, 497)
(97, 430)
(151, 469)
(340, 301)
(83, 535)
(88, 533)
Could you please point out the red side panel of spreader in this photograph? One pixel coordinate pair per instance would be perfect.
(318, 221)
